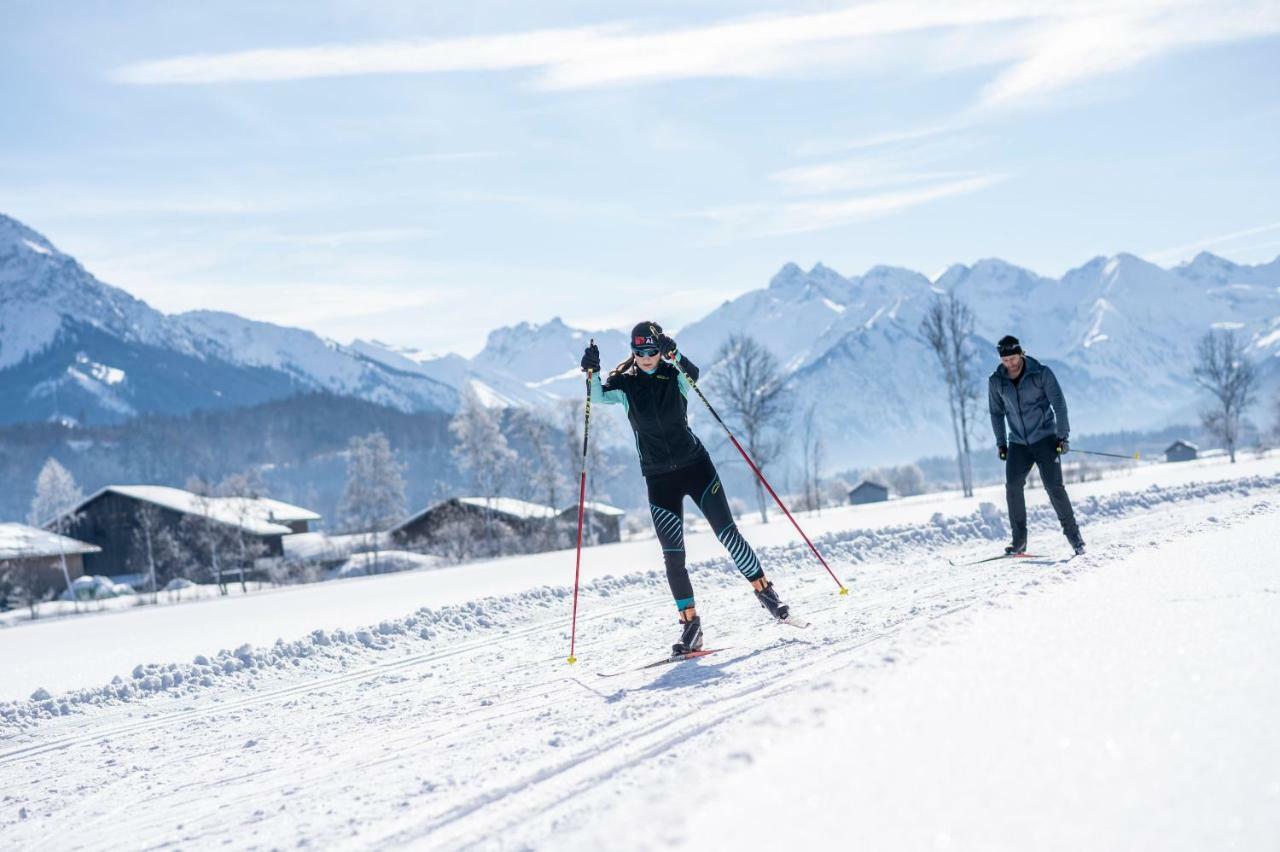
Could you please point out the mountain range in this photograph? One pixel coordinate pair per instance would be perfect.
(1119, 331)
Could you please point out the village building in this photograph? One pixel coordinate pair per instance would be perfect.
(32, 558)
(601, 523)
(868, 492)
(114, 518)
(1180, 451)
(524, 519)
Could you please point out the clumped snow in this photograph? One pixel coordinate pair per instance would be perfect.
(851, 548)
(1117, 700)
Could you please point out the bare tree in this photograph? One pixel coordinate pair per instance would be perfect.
(209, 536)
(483, 452)
(1223, 369)
(540, 471)
(56, 495)
(813, 455)
(240, 492)
(948, 327)
(374, 497)
(150, 522)
(749, 379)
(599, 467)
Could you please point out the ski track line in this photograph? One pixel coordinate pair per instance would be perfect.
(956, 597)
(623, 750)
(897, 594)
(33, 749)
(884, 590)
(593, 765)
(130, 825)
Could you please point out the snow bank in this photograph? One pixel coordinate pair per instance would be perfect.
(96, 587)
(384, 562)
(325, 651)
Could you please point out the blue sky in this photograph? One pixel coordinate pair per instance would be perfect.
(420, 173)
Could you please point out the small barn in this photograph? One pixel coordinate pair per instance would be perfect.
(868, 492)
(31, 559)
(1180, 451)
(113, 518)
(601, 523)
(522, 517)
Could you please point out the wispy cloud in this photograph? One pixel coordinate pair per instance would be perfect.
(919, 160)
(1107, 39)
(1050, 47)
(755, 220)
(580, 57)
(1216, 242)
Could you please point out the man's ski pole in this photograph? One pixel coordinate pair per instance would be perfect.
(756, 470)
(1133, 457)
(582, 504)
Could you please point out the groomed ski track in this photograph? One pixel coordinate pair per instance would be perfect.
(435, 731)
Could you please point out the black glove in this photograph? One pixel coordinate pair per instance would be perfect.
(1003, 451)
(1063, 446)
(666, 346)
(591, 359)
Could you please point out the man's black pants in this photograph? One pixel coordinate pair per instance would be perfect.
(1044, 455)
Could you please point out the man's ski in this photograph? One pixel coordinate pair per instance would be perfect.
(956, 564)
(795, 621)
(674, 658)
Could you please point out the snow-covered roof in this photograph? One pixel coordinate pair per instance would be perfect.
(522, 509)
(593, 506)
(1176, 444)
(256, 515)
(19, 541)
(509, 506)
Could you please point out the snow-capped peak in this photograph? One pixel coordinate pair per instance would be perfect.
(15, 236)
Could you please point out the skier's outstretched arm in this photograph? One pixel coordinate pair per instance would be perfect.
(602, 395)
(995, 403)
(1059, 402)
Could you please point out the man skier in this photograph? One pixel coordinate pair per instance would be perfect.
(1026, 394)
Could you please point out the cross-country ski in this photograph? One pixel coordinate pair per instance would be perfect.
(674, 658)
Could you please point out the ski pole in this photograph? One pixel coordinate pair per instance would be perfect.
(1108, 455)
(582, 503)
(756, 470)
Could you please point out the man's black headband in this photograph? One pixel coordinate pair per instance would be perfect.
(1009, 345)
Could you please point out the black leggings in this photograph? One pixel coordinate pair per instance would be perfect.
(666, 502)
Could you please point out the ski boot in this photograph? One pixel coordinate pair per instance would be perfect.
(690, 637)
(1078, 547)
(768, 597)
(1016, 549)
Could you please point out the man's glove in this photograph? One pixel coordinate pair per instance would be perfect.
(1003, 451)
(1063, 446)
(666, 346)
(591, 359)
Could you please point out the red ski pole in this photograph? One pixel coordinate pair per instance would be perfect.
(582, 503)
(756, 470)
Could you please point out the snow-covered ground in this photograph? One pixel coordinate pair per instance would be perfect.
(1118, 700)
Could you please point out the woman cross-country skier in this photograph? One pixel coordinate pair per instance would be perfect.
(675, 464)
